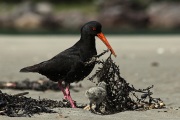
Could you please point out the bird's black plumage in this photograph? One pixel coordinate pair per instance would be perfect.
(69, 65)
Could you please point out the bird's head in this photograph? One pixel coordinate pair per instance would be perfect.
(94, 28)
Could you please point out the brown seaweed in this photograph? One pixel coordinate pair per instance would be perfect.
(20, 106)
(122, 96)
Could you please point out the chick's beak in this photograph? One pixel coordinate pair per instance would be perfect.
(105, 41)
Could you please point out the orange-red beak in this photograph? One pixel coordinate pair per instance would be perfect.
(103, 38)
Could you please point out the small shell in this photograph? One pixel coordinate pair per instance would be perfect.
(157, 105)
(161, 104)
(152, 106)
(146, 106)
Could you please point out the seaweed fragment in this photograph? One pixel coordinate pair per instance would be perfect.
(20, 106)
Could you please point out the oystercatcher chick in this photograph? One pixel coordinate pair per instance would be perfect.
(68, 66)
(96, 95)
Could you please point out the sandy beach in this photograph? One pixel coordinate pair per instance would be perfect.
(144, 60)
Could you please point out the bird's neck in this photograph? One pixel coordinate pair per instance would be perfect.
(88, 40)
(87, 46)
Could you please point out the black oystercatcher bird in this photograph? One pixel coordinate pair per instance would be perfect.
(69, 65)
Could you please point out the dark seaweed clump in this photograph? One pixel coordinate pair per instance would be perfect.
(20, 106)
(122, 96)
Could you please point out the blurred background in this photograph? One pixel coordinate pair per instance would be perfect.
(67, 16)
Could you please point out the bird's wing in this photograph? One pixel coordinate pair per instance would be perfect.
(61, 63)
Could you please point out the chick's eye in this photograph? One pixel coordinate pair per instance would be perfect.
(93, 28)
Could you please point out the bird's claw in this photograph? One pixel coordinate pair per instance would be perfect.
(90, 107)
(87, 108)
(93, 109)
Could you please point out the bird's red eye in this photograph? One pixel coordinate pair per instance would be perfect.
(93, 28)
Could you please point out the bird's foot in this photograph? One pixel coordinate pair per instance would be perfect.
(94, 109)
(72, 102)
(90, 107)
(65, 97)
(73, 106)
(87, 108)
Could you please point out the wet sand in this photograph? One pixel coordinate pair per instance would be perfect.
(143, 61)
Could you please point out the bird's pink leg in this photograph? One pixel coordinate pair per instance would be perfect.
(69, 97)
(62, 89)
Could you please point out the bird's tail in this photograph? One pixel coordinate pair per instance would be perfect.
(33, 68)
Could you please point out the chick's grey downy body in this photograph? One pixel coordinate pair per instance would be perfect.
(97, 94)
